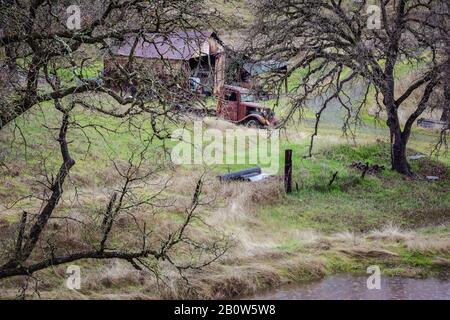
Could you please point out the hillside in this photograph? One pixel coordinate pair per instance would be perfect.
(276, 238)
(340, 218)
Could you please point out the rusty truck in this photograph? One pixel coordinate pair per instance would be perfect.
(238, 105)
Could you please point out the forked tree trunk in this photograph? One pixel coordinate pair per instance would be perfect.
(399, 141)
(445, 114)
(399, 159)
(446, 108)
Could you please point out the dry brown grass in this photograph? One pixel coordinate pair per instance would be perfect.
(215, 123)
(305, 268)
(261, 256)
(223, 283)
(346, 237)
(429, 245)
(115, 274)
(391, 232)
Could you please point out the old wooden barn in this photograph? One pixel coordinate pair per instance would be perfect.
(199, 55)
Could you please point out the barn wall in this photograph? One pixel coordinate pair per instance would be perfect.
(219, 69)
(219, 73)
(156, 67)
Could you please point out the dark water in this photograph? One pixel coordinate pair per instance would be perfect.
(349, 287)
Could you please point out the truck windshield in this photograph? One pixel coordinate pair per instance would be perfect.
(247, 98)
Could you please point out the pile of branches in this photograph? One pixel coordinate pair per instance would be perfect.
(366, 168)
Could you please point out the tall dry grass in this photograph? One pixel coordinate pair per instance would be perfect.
(429, 245)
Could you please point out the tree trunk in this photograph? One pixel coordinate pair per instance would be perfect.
(399, 140)
(399, 160)
(446, 105)
(445, 114)
(445, 117)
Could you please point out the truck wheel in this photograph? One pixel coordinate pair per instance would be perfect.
(253, 124)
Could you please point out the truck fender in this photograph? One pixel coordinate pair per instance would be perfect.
(256, 117)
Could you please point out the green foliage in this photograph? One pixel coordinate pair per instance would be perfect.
(373, 153)
(353, 203)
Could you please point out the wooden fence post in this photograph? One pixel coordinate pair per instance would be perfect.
(288, 171)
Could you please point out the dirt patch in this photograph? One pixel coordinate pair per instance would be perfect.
(368, 253)
(267, 192)
(441, 262)
(428, 167)
(426, 217)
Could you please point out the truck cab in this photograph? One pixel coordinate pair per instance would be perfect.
(239, 105)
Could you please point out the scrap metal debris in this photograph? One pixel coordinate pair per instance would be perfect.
(432, 124)
(417, 157)
(252, 174)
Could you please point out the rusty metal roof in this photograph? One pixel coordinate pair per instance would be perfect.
(260, 67)
(238, 89)
(182, 45)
